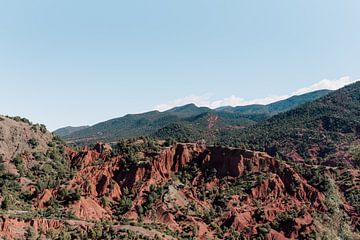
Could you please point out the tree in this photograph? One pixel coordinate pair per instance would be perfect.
(5, 203)
(355, 152)
(169, 142)
(33, 143)
(30, 234)
(125, 205)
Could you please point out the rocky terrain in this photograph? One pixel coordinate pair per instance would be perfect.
(17, 136)
(145, 189)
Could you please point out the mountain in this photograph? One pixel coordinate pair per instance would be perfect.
(197, 122)
(146, 124)
(229, 119)
(277, 107)
(188, 110)
(62, 132)
(317, 131)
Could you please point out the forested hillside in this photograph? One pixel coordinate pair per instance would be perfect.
(197, 122)
(317, 130)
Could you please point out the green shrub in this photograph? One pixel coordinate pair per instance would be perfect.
(6, 203)
(125, 205)
(33, 143)
(69, 196)
(355, 152)
(30, 234)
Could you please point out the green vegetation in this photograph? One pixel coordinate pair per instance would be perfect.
(10, 190)
(153, 195)
(286, 220)
(20, 119)
(33, 142)
(351, 191)
(53, 171)
(125, 205)
(30, 234)
(316, 177)
(39, 127)
(131, 149)
(102, 230)
(355, 152)
(323, 125)
(68, 196)
(42, 171)
(182, 132)
(185, 123)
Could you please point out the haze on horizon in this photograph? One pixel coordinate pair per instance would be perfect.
(81, 62)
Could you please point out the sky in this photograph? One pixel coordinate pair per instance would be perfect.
(81, 62)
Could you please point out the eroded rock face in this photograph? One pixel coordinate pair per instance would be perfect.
(232, 163)
(89, 209)
(14, 228)
(100, 174)
(235, 162)
(11, 228)
(20, 137)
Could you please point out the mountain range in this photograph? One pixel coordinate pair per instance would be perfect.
(201, 122)
(316, 130)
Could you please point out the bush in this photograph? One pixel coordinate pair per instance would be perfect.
(17, 160)
(355, 152)
(69, 196)
(20, 119)
(285, 220)
(43, 128)
(5, 205)
(125, 205)
(30, 234)
(33, 143)
(169, 142)
(104, 201)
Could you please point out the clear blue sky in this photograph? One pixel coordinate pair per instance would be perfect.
(79, 62)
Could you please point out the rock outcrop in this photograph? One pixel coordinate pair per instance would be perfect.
(182, 184)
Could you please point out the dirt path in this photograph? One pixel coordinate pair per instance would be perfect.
(144, 231)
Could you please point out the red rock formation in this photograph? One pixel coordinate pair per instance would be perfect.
(44, 198)
(100, 174)
(274, 235)
(89, 209)
(233, 163)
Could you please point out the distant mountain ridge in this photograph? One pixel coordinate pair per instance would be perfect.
(319, 130)
(199, 122)
(277, 107)
(61, 132)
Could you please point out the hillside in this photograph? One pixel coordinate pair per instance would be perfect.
(19, 135)
(62, 132)
(143, 190)
(145, 124)
(203, 122)
(277, 107)
(318, 130)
